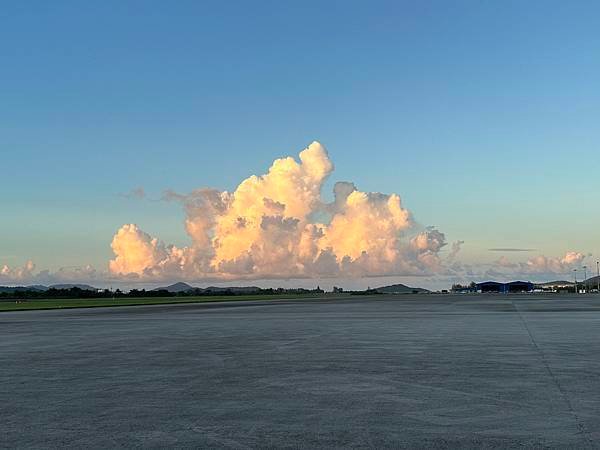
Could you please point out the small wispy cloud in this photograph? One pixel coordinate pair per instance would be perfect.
(455, 249)
(138, 193)
(511, 249)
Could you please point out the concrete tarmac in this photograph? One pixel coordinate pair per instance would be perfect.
(424, 371)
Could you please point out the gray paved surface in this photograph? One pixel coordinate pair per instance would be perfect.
(418, 372)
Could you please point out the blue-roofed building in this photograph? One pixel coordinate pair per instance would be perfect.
(505, 288)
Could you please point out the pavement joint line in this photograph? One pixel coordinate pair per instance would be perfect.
(582, 429)
(466, 394)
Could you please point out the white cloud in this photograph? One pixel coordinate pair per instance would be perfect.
(538, 268)
(266, 229)
(17, 273)
(548, 265)
(27, 274)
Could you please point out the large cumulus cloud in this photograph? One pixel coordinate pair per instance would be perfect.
(277, 226)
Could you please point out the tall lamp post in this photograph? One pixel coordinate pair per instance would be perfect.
(585, 280)
(598, 276)
(575, 275)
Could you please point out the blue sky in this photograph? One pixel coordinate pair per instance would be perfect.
(482, 116)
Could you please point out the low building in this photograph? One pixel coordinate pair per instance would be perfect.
(505, 288)
(490, 286)
(556, 286)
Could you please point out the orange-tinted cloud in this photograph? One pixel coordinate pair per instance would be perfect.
(277, 226)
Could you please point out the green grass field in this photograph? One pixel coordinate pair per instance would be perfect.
(12, 305)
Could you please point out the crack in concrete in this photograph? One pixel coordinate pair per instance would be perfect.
(580, 425)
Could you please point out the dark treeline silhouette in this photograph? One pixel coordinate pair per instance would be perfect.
(365, 292)
(75, 292)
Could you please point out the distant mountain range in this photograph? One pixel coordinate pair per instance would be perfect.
(176, 287)
(593, 280)
(555, 283)
(400, 289)
(84, 287)
(41, 288)
(184, 287)
(181, 287)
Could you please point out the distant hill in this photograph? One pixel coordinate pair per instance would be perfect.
(37, 287)
(83, 287)
(184, 287)
(41, 288)
(593, 282)
(400, 289)
(176, 287)
(555, 283)
(236, 289)
(11, 289)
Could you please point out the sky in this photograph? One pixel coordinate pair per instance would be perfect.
(481, 116)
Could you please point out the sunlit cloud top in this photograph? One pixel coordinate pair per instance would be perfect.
(277, 225)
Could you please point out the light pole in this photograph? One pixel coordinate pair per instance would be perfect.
(575, 272)
(585, 285)
(598, 276)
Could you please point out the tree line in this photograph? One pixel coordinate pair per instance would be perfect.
(76, 292)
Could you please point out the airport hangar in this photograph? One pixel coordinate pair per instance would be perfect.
(505, 288)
